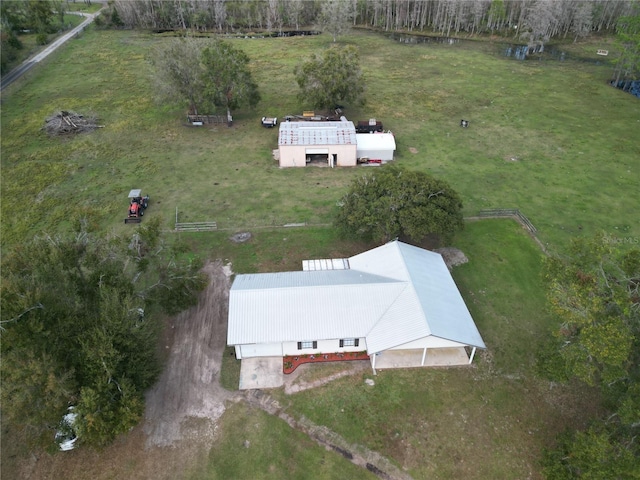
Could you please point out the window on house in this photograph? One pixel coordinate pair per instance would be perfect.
(303, 345)
(349, 342)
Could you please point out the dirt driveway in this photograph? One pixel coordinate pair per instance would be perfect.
(188, 399)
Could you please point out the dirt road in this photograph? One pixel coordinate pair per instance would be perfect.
(188, 399)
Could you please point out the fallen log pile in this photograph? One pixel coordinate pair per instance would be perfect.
(66, 122)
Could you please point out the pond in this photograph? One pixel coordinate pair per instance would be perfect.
(510, 50)
(629, 86)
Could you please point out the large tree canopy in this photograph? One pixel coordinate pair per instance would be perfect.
(595, 293)
(178, 73)
(204, 74)
(332, 78)
(226, 76)
(394, 202)
(80, 324)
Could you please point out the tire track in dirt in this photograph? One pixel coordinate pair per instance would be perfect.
(187, 400)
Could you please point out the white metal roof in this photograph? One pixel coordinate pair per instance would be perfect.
(444, 313)
(376, 141)
(326, 264)
(391, 295)
(317, 133)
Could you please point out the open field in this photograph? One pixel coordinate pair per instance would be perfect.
(550, 138)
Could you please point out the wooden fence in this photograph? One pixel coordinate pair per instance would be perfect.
(509, 212)
(210, 119)
(194, 226)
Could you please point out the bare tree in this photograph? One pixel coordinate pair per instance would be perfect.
(582, 21)
(274, 19)
(294, 11)
(220, 13)
(540, 24)
(335, 17)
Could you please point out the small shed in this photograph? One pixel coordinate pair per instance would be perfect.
(376, 146)
(321, 143)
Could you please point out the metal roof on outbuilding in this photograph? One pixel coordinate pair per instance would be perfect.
(391, 295)
(376, 141)
(317, 133)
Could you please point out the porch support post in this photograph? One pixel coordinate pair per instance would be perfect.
(424, 356)
(473, 354)
(373, 363)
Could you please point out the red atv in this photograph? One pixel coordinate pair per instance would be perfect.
(137, 205)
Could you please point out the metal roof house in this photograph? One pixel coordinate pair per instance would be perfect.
(329, 143)
(397, 302)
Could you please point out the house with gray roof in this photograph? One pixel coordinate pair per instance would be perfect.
(398, 303)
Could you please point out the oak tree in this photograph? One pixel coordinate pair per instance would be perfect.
(331, 78)
(595, 295)
(204, 74)
(394, 202)
(226, 77)
(80, 322)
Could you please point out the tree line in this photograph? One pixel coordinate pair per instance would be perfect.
(21, 16)
(80, 324)
(552, 18)
(594, 293)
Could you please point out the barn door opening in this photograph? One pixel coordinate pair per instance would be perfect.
(317, 156)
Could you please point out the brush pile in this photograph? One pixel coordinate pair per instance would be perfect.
(66, 122)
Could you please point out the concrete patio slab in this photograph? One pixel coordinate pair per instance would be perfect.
(436, 357)
(261, 372)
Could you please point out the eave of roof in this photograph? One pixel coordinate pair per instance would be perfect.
(392, 295)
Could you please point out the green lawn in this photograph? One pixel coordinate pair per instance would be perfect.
(570, 135)
(255, 445)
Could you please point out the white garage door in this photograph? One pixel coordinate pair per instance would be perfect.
(261, 350)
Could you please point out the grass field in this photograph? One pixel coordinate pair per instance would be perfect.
(257, 445)
(550, 138)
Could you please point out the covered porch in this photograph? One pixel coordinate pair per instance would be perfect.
(422, 357)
